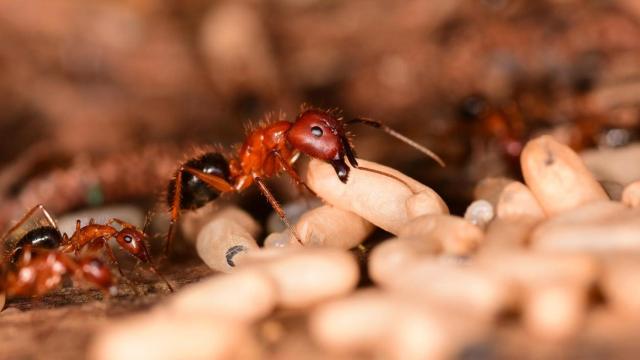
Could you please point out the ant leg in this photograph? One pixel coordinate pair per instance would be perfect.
(379, 125)
(122, 223)
(276, 206)
(175, 212)
(214, 181)
(147, 222)
(292, 172)
(115, 261)
(76, 246)
(112, 257)
(152, 266)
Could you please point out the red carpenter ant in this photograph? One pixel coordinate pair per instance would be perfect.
(95, 236)
(37, 271)
(268, 150)
(37, 229)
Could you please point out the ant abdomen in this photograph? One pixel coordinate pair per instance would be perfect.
(46, 237)
(194, 192)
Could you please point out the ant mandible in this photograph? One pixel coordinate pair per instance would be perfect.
(37, 271)
(269, 149)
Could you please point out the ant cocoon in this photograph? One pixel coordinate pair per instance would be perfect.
(227, 237)
(377, 198)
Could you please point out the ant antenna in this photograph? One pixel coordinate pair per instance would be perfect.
(378, 125)
(387, 175)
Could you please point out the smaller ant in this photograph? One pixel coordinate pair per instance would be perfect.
(95, 236)
(37, 271)
(38, 230)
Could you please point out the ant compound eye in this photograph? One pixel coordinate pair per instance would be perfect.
(316, 131)
(128, 238)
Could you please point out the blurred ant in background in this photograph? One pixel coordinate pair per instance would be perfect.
(511, 125)
(95, 236)
(503, 126)
(38, 231)
(37, 271)
(269, 149)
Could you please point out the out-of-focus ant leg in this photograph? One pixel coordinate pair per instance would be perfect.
(175, 213)
(276, 206)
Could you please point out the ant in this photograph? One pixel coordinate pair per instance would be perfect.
(95, 236)
(269, 149)
(37, 271)
(38, 229)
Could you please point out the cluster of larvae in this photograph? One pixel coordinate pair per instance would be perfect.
(537, 250)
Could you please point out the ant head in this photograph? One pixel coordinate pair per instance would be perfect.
(321, 135)
(132, 241)
(96, 272)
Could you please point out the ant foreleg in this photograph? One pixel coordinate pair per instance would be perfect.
(276, 206)
(293, 173)
(379, 125)
(111, 255)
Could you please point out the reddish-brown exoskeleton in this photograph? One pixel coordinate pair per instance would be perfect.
(38, 230)
(96, 236)
(268, 150)
(37, 271)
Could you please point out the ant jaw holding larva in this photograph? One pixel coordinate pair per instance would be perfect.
(341, 168)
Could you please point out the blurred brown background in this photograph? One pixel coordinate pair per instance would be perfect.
(83, 82)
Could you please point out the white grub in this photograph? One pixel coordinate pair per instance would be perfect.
(453, 234)
(159, 336)
(507, 234)
(358, 323)
(422, 203)
(334, 227)
(517, 201)
(604, 226)
(191, 222)
(380, 199)
(490, 188)
(227, 237)
(388, 258)
(479, 213)
(372, 322)
(620, 283)
(528, 269)
(614, 164)
(631, 195)
(245, 295)
(324, 226)
(557, 177)
(307, 276)
(555, 311)
(466, 287)
(280, 240)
